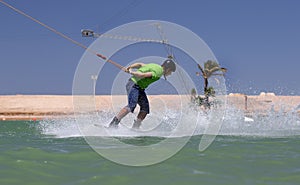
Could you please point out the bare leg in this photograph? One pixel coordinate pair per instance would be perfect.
(123, 112)
(137, 123)
(142, 115)
(116, 120)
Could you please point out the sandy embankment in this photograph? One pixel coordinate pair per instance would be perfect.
(36, 107)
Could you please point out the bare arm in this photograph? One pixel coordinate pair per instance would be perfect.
(136, 73)
(136, 65)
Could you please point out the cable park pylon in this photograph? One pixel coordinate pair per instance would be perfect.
(64, 36)
(91, 33)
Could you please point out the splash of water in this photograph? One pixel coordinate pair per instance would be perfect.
(271, 124)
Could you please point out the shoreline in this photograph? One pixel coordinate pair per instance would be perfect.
(39, 107)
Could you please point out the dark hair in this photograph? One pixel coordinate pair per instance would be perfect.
(169, 64)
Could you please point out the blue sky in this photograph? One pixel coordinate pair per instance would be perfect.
(258, 41)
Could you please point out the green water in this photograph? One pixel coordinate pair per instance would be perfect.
(29, 157)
